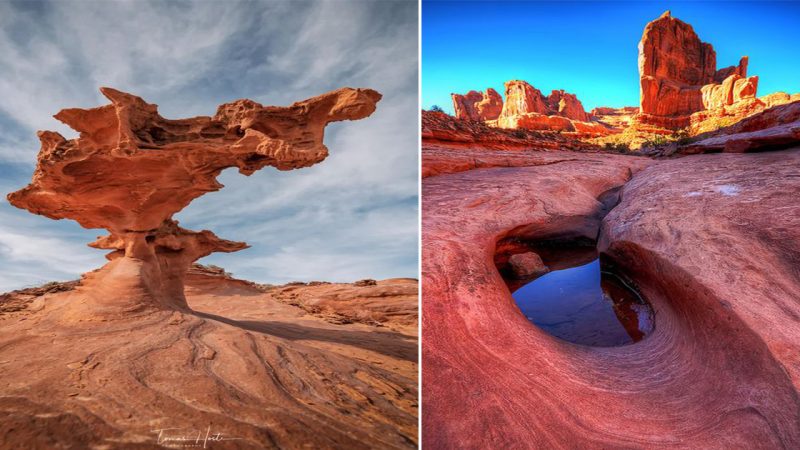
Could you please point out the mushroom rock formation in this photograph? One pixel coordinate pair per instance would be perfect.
(131, 170)
(478, 106)
(674, 67)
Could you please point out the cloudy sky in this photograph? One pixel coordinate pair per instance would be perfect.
(353, 216)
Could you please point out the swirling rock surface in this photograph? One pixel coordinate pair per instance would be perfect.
(711, 242)
(131, 170)
(247, 364)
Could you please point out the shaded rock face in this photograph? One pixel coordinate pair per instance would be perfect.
(774, 128)
(478, 106)
(131, 170)
(678, 74)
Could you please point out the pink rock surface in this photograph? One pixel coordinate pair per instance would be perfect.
(711, 242)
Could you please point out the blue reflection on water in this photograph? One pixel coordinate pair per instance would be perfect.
(585, 306)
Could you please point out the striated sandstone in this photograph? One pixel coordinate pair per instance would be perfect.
(244, 363)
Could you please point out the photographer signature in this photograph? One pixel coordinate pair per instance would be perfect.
(181, 437)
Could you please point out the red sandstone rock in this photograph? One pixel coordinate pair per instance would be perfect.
(615, 117)
(490, 106)
(711, 241)
(131, 170)
(391, 303)
(144, 345)
(446, 134)
(534, 121)
(522, 98)
(733, 89)
(494, 397)
(566, 105)
(673, 65)
(592, 129)
(740, 70)
(478, 106)
(716, 239)
(748, 115)
(464, 105)
(678, 75)
(771, 138)
(526, 265)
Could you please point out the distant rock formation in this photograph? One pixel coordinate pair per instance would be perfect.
(567, 105)
(131, 170)
(524, 107)
(678, 75)
(522, 99)
(478, 106)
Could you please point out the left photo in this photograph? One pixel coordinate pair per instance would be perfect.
(246, 175)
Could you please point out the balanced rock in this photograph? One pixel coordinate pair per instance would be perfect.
(131, 170)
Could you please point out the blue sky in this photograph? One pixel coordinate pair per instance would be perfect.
(352, 216)
(590, 48)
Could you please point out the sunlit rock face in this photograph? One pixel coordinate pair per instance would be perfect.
(131, 170)
(678, 75)
(477, 106)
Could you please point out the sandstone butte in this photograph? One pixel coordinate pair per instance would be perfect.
(152, 342)
(678, 75)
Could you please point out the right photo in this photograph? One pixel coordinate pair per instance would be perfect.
(610, 225)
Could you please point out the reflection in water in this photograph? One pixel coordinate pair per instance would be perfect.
(586, 306)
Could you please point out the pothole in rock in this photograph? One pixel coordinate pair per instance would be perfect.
(567, 290)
